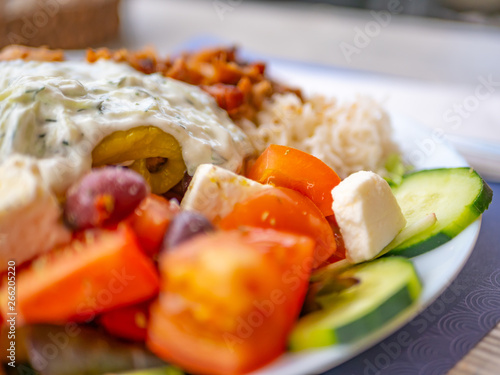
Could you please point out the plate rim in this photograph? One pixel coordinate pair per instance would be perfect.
(293, 363)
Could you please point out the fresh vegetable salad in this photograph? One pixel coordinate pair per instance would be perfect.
(191, 215)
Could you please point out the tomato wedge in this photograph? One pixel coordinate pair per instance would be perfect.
(229, 300)
(294, 169)
(285, 210)
(106, 271)
(127, 322)
(151, 220)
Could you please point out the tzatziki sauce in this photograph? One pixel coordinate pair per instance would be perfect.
(57, 112)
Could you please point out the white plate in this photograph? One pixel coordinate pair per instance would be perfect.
(437, 268)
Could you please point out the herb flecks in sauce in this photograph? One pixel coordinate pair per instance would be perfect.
(83, 103)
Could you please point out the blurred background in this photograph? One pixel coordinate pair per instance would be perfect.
(437, 40)
(437, 61)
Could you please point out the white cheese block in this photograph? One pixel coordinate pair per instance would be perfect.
(214, 191)
(30, 216)
(367, 213)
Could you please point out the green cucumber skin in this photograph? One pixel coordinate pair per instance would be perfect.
(419, 248)
(376, 318)
(484, 198)
(470, 214)
(307, 335)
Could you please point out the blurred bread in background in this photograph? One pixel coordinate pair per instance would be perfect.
(68, 24)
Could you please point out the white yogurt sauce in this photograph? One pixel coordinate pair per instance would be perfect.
(57, 112)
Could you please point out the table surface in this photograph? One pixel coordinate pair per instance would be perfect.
(426, 67)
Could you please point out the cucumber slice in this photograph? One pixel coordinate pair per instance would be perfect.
(329, 270)
(387, 286)
(457, 196)
(410, 231)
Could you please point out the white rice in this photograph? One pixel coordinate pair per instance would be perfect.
(349, 137)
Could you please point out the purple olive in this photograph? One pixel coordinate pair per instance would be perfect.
(184, 226)
(104, 196)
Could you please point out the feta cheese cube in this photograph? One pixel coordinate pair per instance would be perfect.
(30, 215)
(368, 215)
(214, 191)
